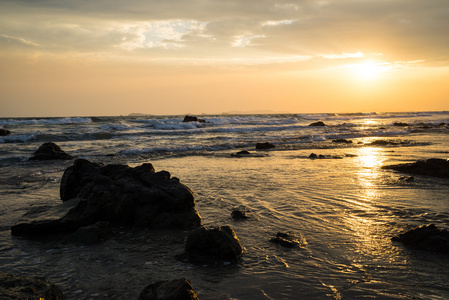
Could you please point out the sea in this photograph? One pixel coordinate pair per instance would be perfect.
(342, 202)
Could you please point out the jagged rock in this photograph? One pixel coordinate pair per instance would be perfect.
(4, 132)
(432, 167)
(31, 288)
(215, 243)
(49, 151)
(319, 123)
(342, 141)
(118, 194)
(178, 289)
(264, 146)
(426, 237)
(193, 119)
(289, 241)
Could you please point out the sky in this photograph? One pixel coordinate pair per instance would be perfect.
(173, 57)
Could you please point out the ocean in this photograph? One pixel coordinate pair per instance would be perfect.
(343, 202)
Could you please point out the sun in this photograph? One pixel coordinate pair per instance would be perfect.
(368, 70)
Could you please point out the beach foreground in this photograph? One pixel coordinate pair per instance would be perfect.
(343, 202)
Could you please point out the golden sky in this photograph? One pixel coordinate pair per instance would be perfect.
(110, 57)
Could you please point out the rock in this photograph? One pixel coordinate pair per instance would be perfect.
(215, 243)
(314, 156)
(289, 241)
(239, 213)
(50, 151)
(178, 289)
(193, 119)
(432, 167)
(4, 132)
(31, 288)
(426, 237)
(400, 124)
(319, 123)
(342, 141)
(264, 146)
(92, 234)
(117, 194)
(407, 178)
(241, 153)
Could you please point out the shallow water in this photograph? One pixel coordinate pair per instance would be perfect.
(346, 206)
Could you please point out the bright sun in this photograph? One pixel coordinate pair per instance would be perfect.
(368, 70)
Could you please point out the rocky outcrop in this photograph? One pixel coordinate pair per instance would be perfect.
(50, 151)
(432, 167)
(193, 119)
(178, 289)
(4, 132)
(288, 240)
(118, 194)
(31, 288)
(426, 237)
(214, 243)
(264, 146)
(319, 123)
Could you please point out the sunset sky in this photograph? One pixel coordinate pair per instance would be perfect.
(108, 57)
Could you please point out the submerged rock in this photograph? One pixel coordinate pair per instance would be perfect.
(432, 167)
(214, 243)
(426, 237)
(289, 241)
(92, 234)
(118, 194)
(31, 288)
(239, 213)
(264, 146)
(50, 151)
(193, 119)
(319, 123)
(342, 141)
(400, 124)
(177, 289)
(4, 132)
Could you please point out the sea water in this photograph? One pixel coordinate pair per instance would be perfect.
(344, 204)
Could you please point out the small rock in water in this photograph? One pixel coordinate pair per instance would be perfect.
(319, 123)
(264, 146)
(289, 241)
(178, 289)
(426, 237)
(49, 151)
(239, 214)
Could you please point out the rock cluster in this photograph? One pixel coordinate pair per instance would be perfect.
(432, 167)
(426, 237)
(118, 194)
(193, 119)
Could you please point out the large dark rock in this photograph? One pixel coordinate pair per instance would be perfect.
(50, 151)
(31, 288)
(264, 146)
(4, 132)
(432, 167)
(319, 123)
(193, 119)
(178, 289)
(426, 237)
(214, 243)
(119, 194)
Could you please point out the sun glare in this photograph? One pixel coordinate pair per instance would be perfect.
(368, 70)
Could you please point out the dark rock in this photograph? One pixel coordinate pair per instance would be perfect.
(31, 288)
(400, 124)
(4, 132)
(442, 124)
(407, 178)
(92, 234)
(118, 194)
(264, 146)
(432, 167)
(289, 241)
(313, 156)
(319, 123)
(239, 213)
(50, 151)
(178, 289)
(193, 119)
(342, 141)
(215, 243)
(426, 237)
